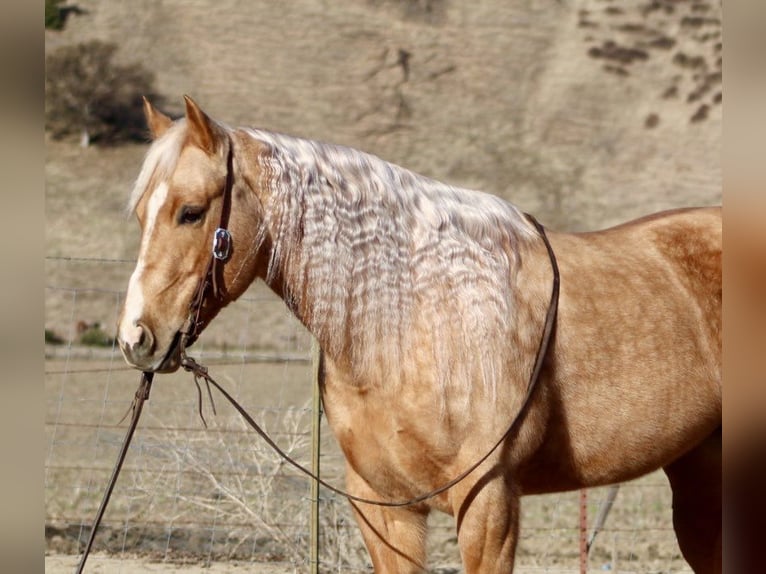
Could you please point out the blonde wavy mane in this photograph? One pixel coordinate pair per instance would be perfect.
(377, 256)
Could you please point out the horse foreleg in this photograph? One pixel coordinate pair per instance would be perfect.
(394, 537)
(696, 482)
(487, 514)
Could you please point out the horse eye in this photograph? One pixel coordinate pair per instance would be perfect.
(190, 214)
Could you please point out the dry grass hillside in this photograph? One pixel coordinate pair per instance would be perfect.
(583, 112)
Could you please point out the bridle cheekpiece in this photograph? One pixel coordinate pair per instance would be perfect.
(212, 280)
(221, 244)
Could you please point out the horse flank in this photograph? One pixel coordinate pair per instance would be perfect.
(376, 255)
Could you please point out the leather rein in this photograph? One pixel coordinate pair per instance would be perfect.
(211, 280)
(211, 284)
(221, 247)
(200, 371)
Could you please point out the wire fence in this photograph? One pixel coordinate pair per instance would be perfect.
(199, 487)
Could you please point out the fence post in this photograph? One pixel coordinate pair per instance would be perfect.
(583, 531)
(316, 420)
(603, 512)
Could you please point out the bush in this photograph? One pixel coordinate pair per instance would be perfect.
(54, 17)
(88, 94)
(52, 338)
(95, 336)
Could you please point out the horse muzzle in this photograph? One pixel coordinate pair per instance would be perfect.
(140, 349)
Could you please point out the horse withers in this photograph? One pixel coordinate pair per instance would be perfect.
(428, 302)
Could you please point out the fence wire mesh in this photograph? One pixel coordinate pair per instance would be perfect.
(208, 491)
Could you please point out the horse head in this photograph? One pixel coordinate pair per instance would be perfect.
(190, 185)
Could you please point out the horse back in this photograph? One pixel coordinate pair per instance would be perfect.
(634, 379)
(690, 241)
(695, 246)
(671, 261)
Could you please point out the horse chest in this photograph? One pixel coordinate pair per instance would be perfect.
(397, 452)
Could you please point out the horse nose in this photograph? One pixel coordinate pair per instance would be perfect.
(137, 342)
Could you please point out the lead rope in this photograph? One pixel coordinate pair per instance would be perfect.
(189, 332)
(201, 372)
(142, 395)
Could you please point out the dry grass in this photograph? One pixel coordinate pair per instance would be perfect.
(201, 496)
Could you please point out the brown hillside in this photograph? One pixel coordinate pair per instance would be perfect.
(550, 104)
(583, 112)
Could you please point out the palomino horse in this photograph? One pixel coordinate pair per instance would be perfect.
(428, 303)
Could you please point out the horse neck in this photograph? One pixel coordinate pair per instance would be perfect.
(365, 254)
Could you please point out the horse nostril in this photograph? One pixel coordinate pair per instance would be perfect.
(144, 342)
(141, 335)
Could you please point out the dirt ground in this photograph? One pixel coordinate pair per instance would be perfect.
(99, 564)
(61, 564)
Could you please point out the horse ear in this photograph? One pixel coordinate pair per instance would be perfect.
(157, 121)
(203, 131)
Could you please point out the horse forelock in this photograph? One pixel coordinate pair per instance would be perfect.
(159, 162)
(378, 256)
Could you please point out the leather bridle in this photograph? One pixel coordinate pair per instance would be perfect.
(211, 283)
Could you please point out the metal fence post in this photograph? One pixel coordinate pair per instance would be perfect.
(583, 531)
(316, 420)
